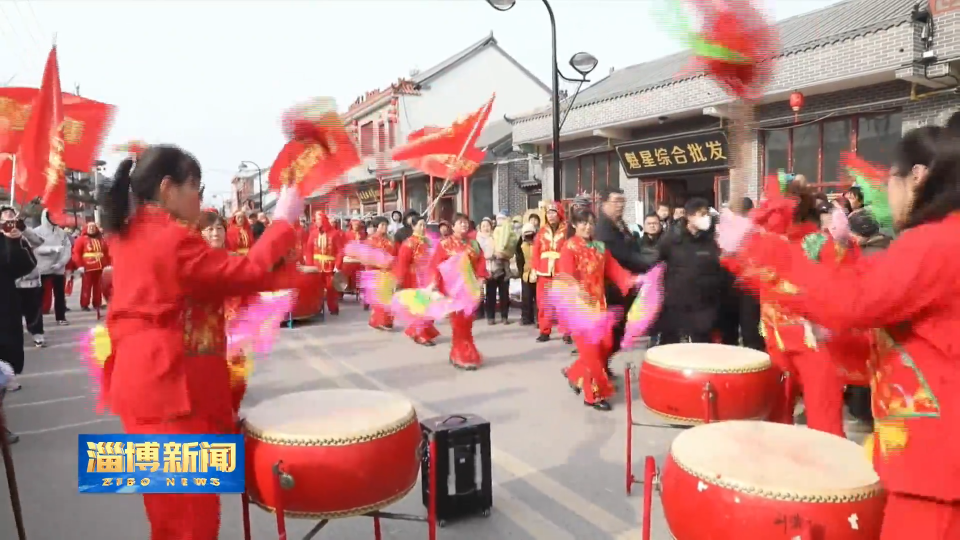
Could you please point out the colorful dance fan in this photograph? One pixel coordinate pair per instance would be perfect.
(420, 307)
(576, 313)
(871, 179)
(95, 349)
(319, 149)
(368, 255)
(255, 327)
(735, 44)
(460, 282)
(645, 308)
(422, 265)
(378, 287)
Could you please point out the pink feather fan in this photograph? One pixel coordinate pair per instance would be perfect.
(575, 313)
(645, 308)
(368, 255)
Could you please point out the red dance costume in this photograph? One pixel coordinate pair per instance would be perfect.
(590, 264)
(168, 372)
(910, 295)
(463, 352)
(547, 245)
(380, 318)
(349, 266)
(411, 254)
(794, 349)
(323, 251)
(239, 235)
(91, 254)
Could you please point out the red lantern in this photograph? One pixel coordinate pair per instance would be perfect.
(796, 103)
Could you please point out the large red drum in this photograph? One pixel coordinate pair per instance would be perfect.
(749, 480)
(348, 452)
(106, 283)
(310, 295)
(674, 382)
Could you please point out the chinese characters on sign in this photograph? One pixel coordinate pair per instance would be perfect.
(372, 195)
(160, 463)
(690, 153)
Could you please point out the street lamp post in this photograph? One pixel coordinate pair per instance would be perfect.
(582, 62)
(243, 166)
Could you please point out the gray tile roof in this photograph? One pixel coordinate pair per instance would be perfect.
(841, 21)
(488, 41)
(494, 132)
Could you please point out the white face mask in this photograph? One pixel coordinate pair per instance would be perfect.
(702, 223)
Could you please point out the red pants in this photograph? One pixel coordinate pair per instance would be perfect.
(180, 516)
(380, 318)
(544, 316)
(422, 333)
(463, 351)
(907, 517)
(326, 289)
(589, 370)
(817, 378)
(350, 269)
(90, 284)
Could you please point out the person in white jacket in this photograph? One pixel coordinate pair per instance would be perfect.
(52, 259)
(31, 292)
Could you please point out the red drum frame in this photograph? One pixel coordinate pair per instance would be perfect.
(283, 481)
(651, 474)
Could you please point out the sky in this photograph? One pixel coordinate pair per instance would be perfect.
(214, 76)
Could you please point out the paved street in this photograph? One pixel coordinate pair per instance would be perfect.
(558, 466)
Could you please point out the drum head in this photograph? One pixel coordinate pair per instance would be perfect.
(708, 358)
(775, 460)
(329, 417)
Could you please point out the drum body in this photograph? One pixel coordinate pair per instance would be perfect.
(348, 452)
(673, 381)
(310, 295)
(748, 480)
(106, 283)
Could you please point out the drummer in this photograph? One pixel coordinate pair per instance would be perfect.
(911, 294)
(166, 347)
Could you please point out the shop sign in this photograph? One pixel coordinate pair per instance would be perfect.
(453, 189)
(371, 195)
(686, 154)
(939, 7)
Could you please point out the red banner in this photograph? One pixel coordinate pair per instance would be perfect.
(85, 125)
(455, 140)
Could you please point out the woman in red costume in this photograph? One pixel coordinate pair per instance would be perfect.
(90, 253)
(379, 317)
(588, 262)
(168, 372)
(463, 352)
(546, 252)
(910, 296)
(349, 266)
(239, 234)
(411, 255)
(791, 341)
(323, 252)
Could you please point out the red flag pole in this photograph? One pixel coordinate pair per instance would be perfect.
(447, 184)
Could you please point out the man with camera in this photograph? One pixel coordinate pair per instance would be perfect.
(16, 261)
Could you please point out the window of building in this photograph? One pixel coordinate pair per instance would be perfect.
(417, 194)
(382, 137)
(366, 139)
(533, 200)
(481, 197)
(814, 149)
(391, 133)
(590, 174)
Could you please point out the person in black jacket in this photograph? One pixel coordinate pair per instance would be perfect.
(625, 248)
(16, 260)
(739, 319)
(694, 279)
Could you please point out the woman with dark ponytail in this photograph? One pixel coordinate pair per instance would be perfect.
(168, 372)
(908, 296)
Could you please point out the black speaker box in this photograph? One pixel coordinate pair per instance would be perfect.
(464, 476)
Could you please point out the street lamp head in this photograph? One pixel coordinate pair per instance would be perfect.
(583, 63)
(502, 5)
(243, 166)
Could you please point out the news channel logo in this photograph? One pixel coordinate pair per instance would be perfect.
(116, 463)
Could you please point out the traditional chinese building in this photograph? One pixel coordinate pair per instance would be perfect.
(852, 76)
(383, 118)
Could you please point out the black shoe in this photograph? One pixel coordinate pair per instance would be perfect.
(526, 323)
(491, 322)
(366, 307)
(84, 309)
(600, 405)
(574, 352)
(504, 320)
(543, 338)
(568, 340)
(63, 323)
(334, 312)
(610, 374)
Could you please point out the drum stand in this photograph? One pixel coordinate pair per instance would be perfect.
(11, 476)
(283, 481)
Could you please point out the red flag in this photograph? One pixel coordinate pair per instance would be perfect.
(40, 165)
(446, 166)
(86, 123)
(454, 140)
